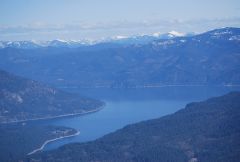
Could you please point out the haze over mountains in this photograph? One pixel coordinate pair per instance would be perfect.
(211, 58)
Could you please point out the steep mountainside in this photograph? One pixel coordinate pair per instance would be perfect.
(203, 131)
(23, 99)
(211, 58)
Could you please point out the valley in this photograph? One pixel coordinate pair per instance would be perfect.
(80, 103)
(190, 134)
(119, 81)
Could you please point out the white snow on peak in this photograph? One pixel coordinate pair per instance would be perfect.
(170, 34)
(157, 34)
(177, 34)
(61, 40)
(120, 37)
(8, 43)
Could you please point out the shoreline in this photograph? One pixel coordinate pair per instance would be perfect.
(58, 116)
(150, 86)
(52, 140)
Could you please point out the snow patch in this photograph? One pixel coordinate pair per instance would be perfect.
(219, 34)
(177, 34)
(183, 40)
(235, 38)
(119, 37)
(157, 34)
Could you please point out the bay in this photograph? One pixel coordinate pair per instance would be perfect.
(128, 106)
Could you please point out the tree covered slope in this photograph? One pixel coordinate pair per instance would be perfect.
(203, 131)
(23, 99)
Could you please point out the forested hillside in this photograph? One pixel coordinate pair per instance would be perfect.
(22, 99)
(203, 131)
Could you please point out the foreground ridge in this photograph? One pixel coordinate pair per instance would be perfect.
(202, 131)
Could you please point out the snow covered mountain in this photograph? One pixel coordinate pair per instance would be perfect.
(41, 44)
(145, 39)
(164, 39)
(19, 44)
(139, 39)
(210, 58)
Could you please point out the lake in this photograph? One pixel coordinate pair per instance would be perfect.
(128, 106)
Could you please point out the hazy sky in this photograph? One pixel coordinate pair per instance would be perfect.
(94, 19)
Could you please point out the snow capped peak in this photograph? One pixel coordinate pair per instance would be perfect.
(176, 34)
(119, 37)
(60, 40)
(9, 43)
(157, 34)
(168, 35)
(231, 34)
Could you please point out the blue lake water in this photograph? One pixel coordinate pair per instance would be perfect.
(128, 106)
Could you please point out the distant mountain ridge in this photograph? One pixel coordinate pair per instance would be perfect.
(122, 40)
(57, 43)
(205, 131)
(42, 44)
(22, 99)
(211, 58)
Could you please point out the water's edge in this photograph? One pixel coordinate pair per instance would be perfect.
(58, 116)
(52, 140)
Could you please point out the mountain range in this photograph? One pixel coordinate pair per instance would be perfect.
(138, 39)
(210, 58)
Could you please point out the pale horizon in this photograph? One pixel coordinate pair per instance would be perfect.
(76, 20)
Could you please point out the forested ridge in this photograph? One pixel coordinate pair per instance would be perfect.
(203, 131)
